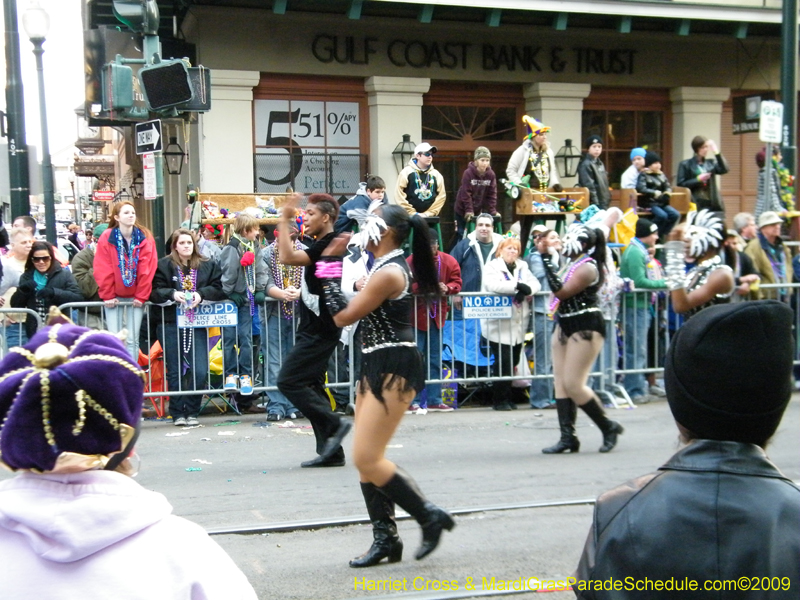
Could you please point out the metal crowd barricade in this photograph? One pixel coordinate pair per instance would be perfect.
(465, 352)
(14, 333)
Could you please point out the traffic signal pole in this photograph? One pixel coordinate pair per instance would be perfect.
(19, 177)
(151, 48)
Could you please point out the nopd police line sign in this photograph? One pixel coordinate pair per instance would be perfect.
(487, 307)
(213, 314)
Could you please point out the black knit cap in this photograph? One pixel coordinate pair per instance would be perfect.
(650, 158)
(645, 228)
(728, 371)
(593, 139)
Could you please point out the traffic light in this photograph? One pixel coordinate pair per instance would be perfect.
(166, 84)
(117, 81)
(140, 15)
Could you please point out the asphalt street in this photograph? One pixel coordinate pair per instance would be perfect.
(234, 472)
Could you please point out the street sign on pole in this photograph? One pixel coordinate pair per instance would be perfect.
(148, 137)
(149, 176)
(771, 122)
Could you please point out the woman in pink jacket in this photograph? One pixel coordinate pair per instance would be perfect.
(124, 265)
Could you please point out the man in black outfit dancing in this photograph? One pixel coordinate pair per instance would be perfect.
(302, 376)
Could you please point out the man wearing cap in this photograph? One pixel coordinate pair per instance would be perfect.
(655, 191)
(592, 173)
(637, 306)
(629, 176)
(478, 191)
(697, 174)
(719, 510)
(540, 393)
(420, 187)
(73, 521)
(770, 257)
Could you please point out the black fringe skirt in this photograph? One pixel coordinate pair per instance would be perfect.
(583, 324)
(389, 367)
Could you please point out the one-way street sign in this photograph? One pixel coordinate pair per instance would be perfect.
(148, 137)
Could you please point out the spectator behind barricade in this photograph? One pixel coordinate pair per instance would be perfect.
(82, 268)
(541, 390)
(745, 225)
(124, 264)
(184, 279)
(420, 187)
(76, 236)
(72, 520)
(374, 188)
(631, 174)
(637, 312)
(727, 510)
(744, 273)
(472, 253)
(429, 319)
(25, 222)
(244, 279)
(43, 284)
(775, 204)
(655, 192)
(509, 275)
(697, 174)
(770, 257)
(592, 173)
(285, 284)
(209, 241)
(478, 191)
(13, 267)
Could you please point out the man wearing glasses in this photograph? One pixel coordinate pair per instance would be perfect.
(420, 187)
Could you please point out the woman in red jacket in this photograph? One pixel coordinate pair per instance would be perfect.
(124, 265)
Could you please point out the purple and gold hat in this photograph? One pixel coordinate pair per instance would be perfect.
(70, 400)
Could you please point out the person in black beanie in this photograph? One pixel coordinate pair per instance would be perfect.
(654, 194)
(719, 509)
(592, 173)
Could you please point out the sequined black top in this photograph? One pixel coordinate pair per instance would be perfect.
(697, 278)
(390, 324)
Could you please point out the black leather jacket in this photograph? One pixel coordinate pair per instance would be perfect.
(716, 511)
(592, 174)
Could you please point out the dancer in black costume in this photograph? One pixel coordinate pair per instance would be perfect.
(302, 376)
(578, 333)
(392, 371)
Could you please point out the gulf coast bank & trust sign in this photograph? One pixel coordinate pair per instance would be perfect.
(453, 55)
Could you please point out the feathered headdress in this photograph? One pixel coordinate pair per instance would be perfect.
(704, 230)
(574, 239)
(533, 127)
(370, 225)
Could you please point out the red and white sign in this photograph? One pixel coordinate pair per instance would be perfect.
(149, 175)
(103, 196)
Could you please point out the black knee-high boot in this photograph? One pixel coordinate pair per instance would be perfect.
(567, 413)
(386, 543)
(404, 492)
(611, 429)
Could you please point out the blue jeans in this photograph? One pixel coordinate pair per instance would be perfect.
(275, 345)
(15, 335)
(195, 361)
(541, 391)
(665, 218)
(133, 321)
(242, 336)
(430, 344)
(636, 322)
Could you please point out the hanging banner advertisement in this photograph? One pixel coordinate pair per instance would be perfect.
(309, 146)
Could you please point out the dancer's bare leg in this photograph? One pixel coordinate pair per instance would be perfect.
(580, 357)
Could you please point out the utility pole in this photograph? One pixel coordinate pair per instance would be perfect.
(19, 178)
(789, 50)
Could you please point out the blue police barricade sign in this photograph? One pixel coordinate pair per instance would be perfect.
(487, 307)
(211, 314)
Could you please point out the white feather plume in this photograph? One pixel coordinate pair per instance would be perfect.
(703, 231)
(574, 239)
(370, 225)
